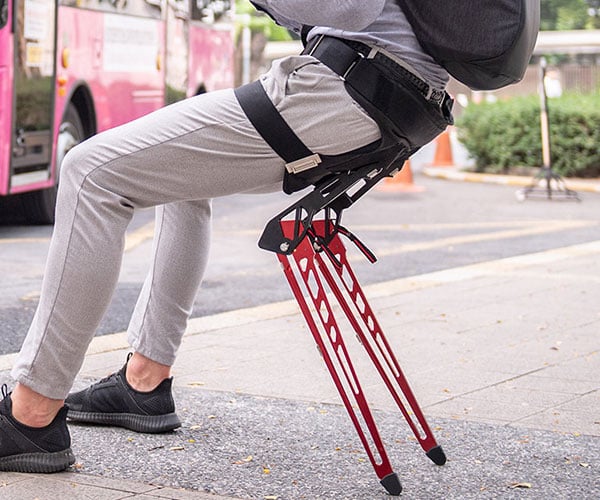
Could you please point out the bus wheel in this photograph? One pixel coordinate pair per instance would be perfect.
(38, 206)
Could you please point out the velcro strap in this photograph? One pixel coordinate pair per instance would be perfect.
(272, 127)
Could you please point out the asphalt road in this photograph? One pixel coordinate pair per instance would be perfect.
(446, 225)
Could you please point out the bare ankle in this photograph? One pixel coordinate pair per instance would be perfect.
(144, 374)
(33, 409)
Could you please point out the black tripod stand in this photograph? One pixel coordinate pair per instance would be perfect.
(546, 183)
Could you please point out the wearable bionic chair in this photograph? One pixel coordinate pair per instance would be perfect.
(314, 261)
(307, 240)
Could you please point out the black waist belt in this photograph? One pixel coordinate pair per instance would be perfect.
(398, 98)
(341, 56)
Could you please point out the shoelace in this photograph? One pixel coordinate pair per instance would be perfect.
(5, 402)
(107, 378)
(113, 375)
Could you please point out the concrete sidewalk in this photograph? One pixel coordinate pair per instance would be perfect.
(456, 173)
(503, 356)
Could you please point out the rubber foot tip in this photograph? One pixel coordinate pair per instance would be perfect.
(437, 455)
(392, 484)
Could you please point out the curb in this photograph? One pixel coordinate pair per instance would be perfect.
(456, 174)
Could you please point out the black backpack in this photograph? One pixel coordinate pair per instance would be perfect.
(485, 44)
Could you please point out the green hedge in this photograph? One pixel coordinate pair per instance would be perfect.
(506, 134)
(261, 23)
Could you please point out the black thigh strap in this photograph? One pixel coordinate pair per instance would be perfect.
(269, 123)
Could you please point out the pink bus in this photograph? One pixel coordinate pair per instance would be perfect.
(72, 68)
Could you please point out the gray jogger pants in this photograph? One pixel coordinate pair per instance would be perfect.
(177, 158)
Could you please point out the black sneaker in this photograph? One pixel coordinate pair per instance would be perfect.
(112, 401)
(33, 449)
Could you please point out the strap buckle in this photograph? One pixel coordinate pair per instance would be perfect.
(435, 96)
(303, 164)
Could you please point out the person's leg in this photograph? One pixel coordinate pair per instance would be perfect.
(180, 254)
(198, 149)
(138, 397)
(167, 297)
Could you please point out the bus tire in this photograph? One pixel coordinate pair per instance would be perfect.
(38, 206)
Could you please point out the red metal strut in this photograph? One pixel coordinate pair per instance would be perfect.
(307, 271)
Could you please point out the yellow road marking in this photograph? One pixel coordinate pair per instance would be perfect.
(8, 241)
(132, 239)
(524, 228)
(137, 237)
(361, 228)
(540, 227)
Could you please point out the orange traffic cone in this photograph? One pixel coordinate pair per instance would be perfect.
(443, 151)
(402, 181)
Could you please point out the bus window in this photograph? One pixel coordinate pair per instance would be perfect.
(142, 8)
(3, 12)
(71, 68)
(34, 84)
(209, 11)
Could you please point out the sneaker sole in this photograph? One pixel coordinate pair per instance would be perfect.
(152, 424)
(40, 463)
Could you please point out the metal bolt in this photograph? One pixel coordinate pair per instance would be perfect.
(284, 247)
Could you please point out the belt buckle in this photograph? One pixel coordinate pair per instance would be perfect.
(314, 47)
(351, 67)
(434, 95)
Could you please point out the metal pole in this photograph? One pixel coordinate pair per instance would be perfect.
(246, 49)
(544, 119)
(555, 186)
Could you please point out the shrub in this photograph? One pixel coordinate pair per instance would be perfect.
(261, 23)
(507, 134)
